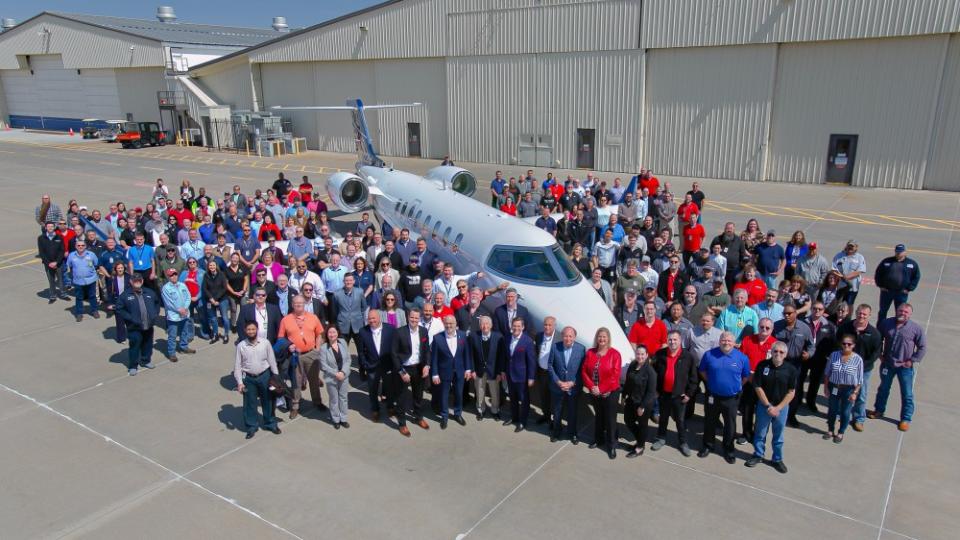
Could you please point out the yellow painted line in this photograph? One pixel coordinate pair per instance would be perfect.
(756, 209)
(269, 165)
(195, 172)
(947, 222)
(287, 166)
(303, 168)
(31, 250)
(22, 255)
(35, 261)
(802, 213)
(223, 162)
(8, 151)
(852, 218)
(151, 168)
(241, 178)
(898, 220)
(924, 251)
(712, 204)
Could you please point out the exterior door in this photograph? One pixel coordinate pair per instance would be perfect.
(544, 150)
(586, 140)
(527, 154)
(413, 139)
(841, 155)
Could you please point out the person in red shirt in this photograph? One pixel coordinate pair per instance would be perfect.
(180, 212)
(757, 349)
(687, 208)
(649, 181)
(693, 235)
(649, 331)
(508, 207)
(440, 309)
(601, 376)
(677, 382)
(755, 287)
(558, 190)
(306, 190)
(192, 277)
(268, 229)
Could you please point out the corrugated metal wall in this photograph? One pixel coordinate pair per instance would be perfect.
(943, 168)
(54, 91)
(706, 110)
(81, 46)
(493, 100)
(293, 84)
(540, 28)
(489, 105)
(881, 90)
(408, 81)
(410, 29)
(695, 23)
(229, 83)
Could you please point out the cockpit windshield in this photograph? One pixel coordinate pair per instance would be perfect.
(538, 265)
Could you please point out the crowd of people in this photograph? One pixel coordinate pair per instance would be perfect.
(741, 322)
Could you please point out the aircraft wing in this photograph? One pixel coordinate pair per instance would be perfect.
(341, 107)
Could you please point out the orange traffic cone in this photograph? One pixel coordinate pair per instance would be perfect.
(71, 132)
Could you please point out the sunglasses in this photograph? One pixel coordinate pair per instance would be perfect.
(462, 287)
(847, 344)
(779, 352)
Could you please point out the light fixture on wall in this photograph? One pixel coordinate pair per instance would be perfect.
(363, 28)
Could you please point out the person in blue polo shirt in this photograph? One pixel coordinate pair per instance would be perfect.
(724, 369)
(496, 189)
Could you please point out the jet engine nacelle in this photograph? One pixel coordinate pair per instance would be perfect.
(348, 191)
(460, 180)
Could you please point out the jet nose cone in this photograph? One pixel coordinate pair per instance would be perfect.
(582, 308)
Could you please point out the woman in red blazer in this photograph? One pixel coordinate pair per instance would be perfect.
(601, 376)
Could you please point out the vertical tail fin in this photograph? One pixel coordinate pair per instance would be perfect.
(631, 188)
(366, 154)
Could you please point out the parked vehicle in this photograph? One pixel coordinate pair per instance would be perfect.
(114, 128)
(139, 134)
(91, 128)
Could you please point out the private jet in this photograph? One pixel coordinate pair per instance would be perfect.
(439, 207)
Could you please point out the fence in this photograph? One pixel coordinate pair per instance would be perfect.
(241, 137)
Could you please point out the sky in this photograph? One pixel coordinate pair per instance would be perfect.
(250, 13)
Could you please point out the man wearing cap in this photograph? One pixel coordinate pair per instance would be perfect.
(51, 250)
(896, 277)
(813, 268)
(716, 299)
(176, 304)
(628, 311)
(172, 261)
(733, 250)
(649, 274)
(138, 308)
(851, 264)
(630, 279)
(771, 260)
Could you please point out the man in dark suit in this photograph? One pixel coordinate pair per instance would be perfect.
(504, 315)
(347, 307)
(267, 316)
(377, 359)
(545, 341)
(314, 305)
(450, 364)
(51, 250)
(520, 372)
(411, 360)
(676, 390)
(565, 383)
(282, 295)
(468, 316)
(489, 352)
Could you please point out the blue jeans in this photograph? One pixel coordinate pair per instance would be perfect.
(256, 389)
(860, 407)
(175, 329)
(224, 312)
(890, 297)
(840, 406)
(904, 376)
(771, 280)
(764, 421)
(88, 292)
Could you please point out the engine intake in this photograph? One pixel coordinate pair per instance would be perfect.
(348, 191)
(460, 180)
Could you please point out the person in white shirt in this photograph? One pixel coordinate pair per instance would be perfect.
(302, 275)
(447, 282)
(253, 364)
(429, 323)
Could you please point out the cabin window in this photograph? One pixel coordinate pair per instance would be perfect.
(523, 264)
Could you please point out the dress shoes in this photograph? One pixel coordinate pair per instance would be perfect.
(780, 467)
(459, 419)
(294, 413)
(753, 461)
(188, 350)
(276, 430)
(592, 445)
(612, 454)
(574, 440)
(730, 459)
(172, 357)
(519, 428)
(405, 431)
(873, 415)
(479, 417)
(250, 434)
(95, 315)
(375, 416)
(903, 426)
(507, 422)
(704, 452)
(443, 424)
(345, 425)
(857, 426)
(423, 424)
(336, 425)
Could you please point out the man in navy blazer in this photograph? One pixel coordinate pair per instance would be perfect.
(488, 351)
(565, 382)
(503, 316)
(520, 372)
(254, 312)
(450, 363)
(376, 357)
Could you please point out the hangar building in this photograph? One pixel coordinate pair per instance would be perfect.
(59, 68)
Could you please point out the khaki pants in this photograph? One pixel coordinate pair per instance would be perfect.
(310, 364)
(481, 385)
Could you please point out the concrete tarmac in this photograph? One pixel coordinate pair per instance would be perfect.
(93, 453)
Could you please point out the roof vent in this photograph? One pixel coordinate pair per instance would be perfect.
(7, 24)
(165, 14)
(280, 24)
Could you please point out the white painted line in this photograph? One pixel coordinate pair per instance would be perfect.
(151, 168)
(512, 491)
(176, 476)
(916, 376)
